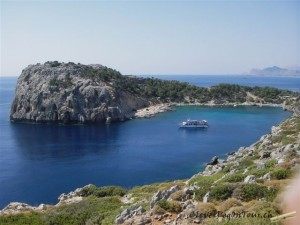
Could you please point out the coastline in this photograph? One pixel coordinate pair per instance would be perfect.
(153, 110)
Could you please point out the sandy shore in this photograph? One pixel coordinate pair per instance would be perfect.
(163, 107)
(152, 110)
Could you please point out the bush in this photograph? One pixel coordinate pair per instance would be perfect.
(158, 210)
(270, 163)
(206, 208)
(174, 206)
(253, 191)
(235, 177)
(280, 174)
(229, 203)
(170, 206)
(221, 191)
(102, 191)
(261, 207)
(204, 183)
(178, 195)
(271, 193)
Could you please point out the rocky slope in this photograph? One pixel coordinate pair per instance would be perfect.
(72, 93)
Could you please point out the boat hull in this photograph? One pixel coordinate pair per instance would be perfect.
(193, 126)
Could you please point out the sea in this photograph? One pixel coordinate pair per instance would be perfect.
(38, 162)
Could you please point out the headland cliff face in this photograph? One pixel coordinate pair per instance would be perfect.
(72, 93)
(56, 92)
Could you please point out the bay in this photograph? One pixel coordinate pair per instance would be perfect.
(39, 162)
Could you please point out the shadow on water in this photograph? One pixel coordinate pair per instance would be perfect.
(40, 141)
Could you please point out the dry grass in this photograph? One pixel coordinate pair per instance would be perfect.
(229, 203)
(206, 208)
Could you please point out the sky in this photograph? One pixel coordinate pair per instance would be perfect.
(152, 37)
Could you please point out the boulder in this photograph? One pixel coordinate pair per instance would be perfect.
(206, 197)
(250, 179)
(129, 213)
(213, 161)
(267, 176)
(265, 154)
(165, 194)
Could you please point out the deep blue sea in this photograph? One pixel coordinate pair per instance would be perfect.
(39, 162)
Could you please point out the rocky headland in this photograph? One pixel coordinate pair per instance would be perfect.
(72, 93)
(67, 93)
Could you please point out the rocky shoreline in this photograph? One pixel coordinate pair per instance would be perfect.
(151, 111)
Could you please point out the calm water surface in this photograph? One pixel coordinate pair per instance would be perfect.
(39, 162)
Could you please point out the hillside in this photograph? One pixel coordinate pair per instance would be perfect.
(65, 93)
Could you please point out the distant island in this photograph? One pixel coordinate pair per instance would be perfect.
(56, 92)
(275, 71)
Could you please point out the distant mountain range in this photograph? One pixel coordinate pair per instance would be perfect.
(276, 71)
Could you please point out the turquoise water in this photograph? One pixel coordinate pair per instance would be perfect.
(39, 162)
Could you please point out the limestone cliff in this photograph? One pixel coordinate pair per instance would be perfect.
(72, 93)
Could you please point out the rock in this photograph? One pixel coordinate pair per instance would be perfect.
(70, 93)
(265, 155)
(129, 213)
(142, 220)
(165, 194)
(260, 166)
(197, 221)
(72, 197)
(241, 149)
(41, 207)
(267, 176)
(15, 208)
(213, 161)
(167, 221)
(206, 197)
(246, 171)
(231, 153)
(250, 179)
(281, 160)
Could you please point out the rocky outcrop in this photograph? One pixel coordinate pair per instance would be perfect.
(165, 194)
(19, 207)
(129, 213)
(72, 93)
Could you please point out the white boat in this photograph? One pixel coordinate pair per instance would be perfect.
(194, 123)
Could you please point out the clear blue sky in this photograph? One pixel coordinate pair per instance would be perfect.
(152, 37)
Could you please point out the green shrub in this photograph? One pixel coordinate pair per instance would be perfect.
(170, 206)
(204, 183)
(259, 173)
(102, 191)
(178, 195)
(174, 206)
(280, 174)
(221, 191)
(270, 163)
(253, 191)
(271, 193)
(22, 219)
(229, 203)
(158, 210)
(235, 177)
(206, 208)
